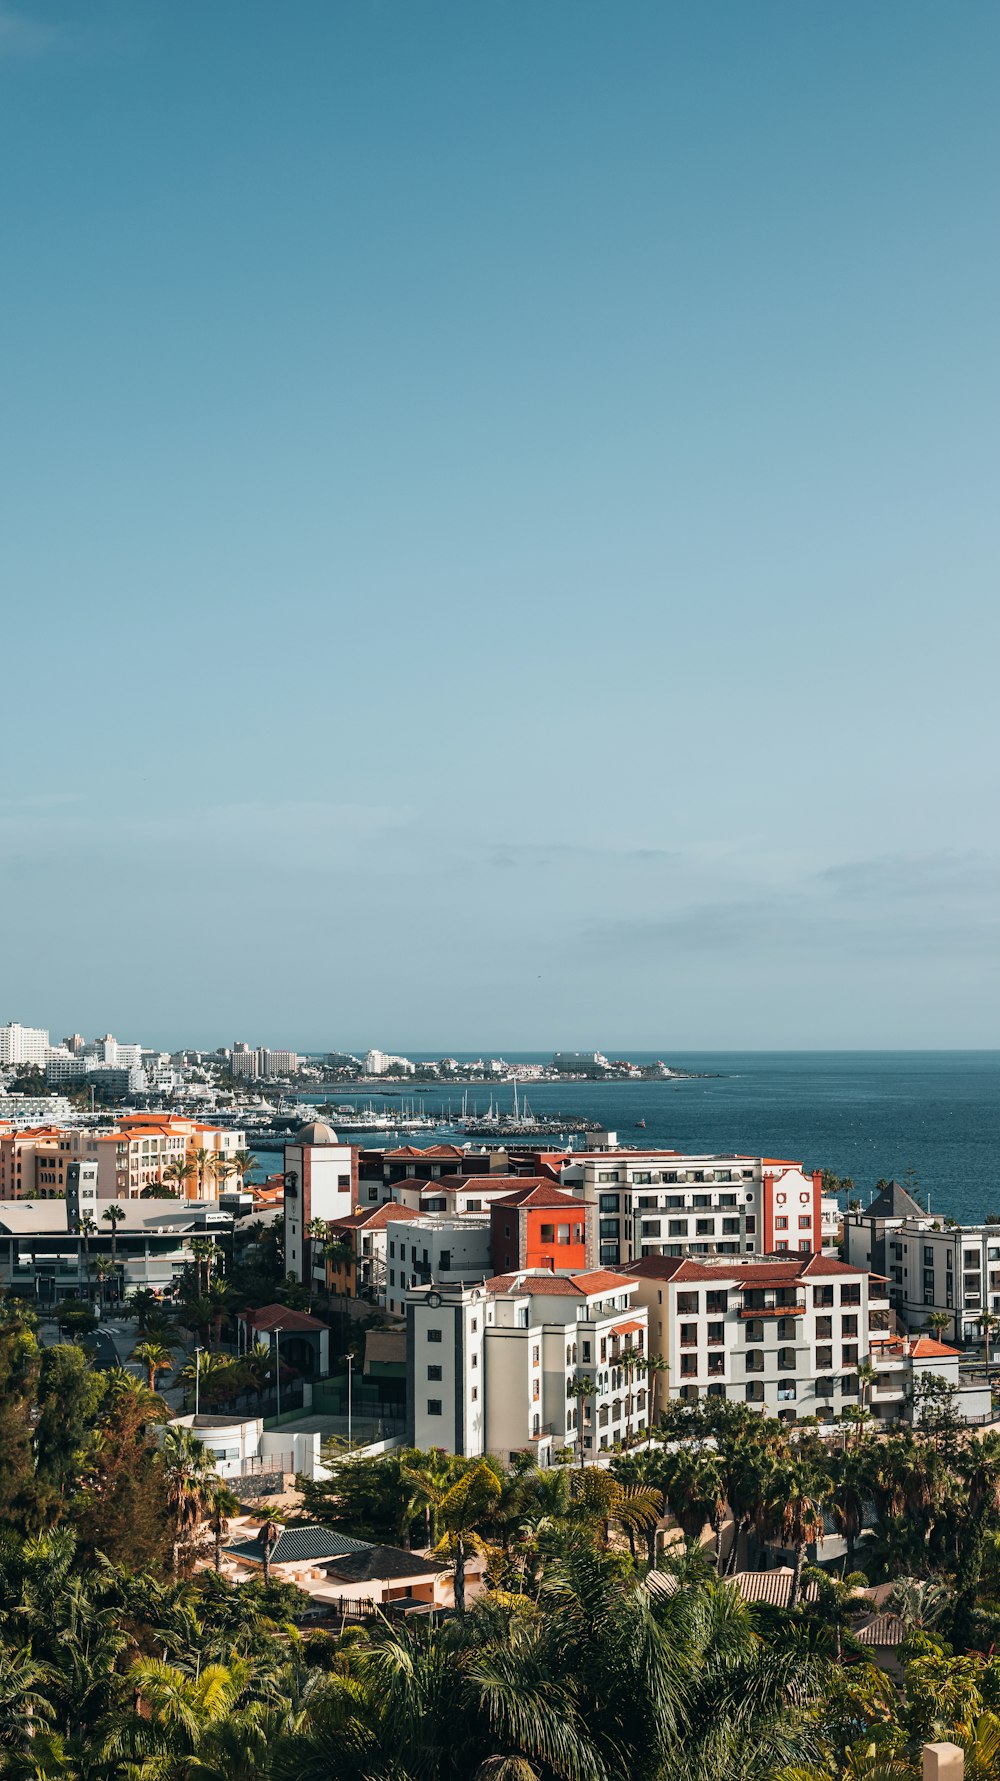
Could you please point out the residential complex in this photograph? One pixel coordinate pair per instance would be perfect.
(143, 1151)
(260, 1063)
(786, 1333)
(22, 1045)
(658, 1202)
(495, 1368)
(931, 1265)
(45, 1256)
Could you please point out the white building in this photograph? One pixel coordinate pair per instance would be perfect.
(903, 1363)
(260, 1063)
(22, 1045)
(241, 1448)
(434, 1249)
(494, 1368)
(321, 1181)
(382, 1063)
(931, 1266)
(659, 1202)
(786, 1334)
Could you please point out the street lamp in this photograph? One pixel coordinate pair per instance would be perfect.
(350, 1364)
(197, 1377)
(277, 1366)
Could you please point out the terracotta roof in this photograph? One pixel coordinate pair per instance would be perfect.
(627, 1329)
(280, 1317)
(758, 1270)
(882, 1629)
(583, 1286)
(373, 1218)
(536, 1192)
(413, 1152)
(927, 1348)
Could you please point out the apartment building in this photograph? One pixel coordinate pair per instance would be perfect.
(140, 1151)
(784, 1333)
(540, 1225)
(930, 1266)
(34, 1160)
(434, 1248)
(260, 1062)
(22, 1045)
(494, 1368)
(664, 1203)
(362, 1272)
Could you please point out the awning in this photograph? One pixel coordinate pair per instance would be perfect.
(628, 1329)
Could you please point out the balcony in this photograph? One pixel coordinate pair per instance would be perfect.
(770, 1309)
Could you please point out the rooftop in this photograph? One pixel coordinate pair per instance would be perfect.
(757, 1270)
(540, 1281)
(296, 1545)
(280, 1317)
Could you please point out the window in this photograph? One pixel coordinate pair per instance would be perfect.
(824, 1388)
(433, 1335)
(705, 1227)
(805, 1222)
(607, 1175)
(651, 1227)
(716, 1363)
(703, 1199)
(446, 1261)
(608, 1229)
(848, 1326)
(849, 1355)
(647, 1202)
(433, 1406)
(786, 1391)
(781, 1223)
(716, 1335)
(754, 1329)
(548, 1233)
(608, 1203)
(751, 1224)
(474, 1324)
(474, 1394)
(786, 1360)
(850, 1295)
(689, 1363)
(678, 1227)
(822, 1296)
(730, 1227)
(536, 1355)
(787, 1331)
(754, 1361)
(755, 1391)
(689, 1335)
(435, 1374)
(824, 1357)
(687, 1304)
(928, 1257)
(715, 1303)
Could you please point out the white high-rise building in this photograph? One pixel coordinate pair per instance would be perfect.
(22, 1045)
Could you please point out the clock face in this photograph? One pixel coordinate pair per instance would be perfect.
(433, 1298)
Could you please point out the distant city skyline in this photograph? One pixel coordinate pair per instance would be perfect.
(500, 523)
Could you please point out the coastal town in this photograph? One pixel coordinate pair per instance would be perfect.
(369, 1378)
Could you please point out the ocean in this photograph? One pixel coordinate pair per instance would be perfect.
(862, 1114)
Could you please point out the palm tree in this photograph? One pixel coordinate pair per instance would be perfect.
(243, 1162)
(866, 1380)
(104, 1269)
(271, 1524)
(204, 1160)
(581, 1388)
(224, 1505)
(189, 1477)
(460, 1509)
(87, 1228)
(938, 1321)
(156, 1357)
(181, 1170)
(204, 1250)
(795, 1513)
(114, 1216)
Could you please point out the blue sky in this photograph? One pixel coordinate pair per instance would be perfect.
(500, 524)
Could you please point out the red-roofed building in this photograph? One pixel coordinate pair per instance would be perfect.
(540, 1225)
(660, 1202)
(904, 1364)
(785, 1333)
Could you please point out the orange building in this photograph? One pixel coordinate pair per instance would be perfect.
(541, 1226)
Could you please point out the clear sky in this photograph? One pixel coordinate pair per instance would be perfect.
(500, 522)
